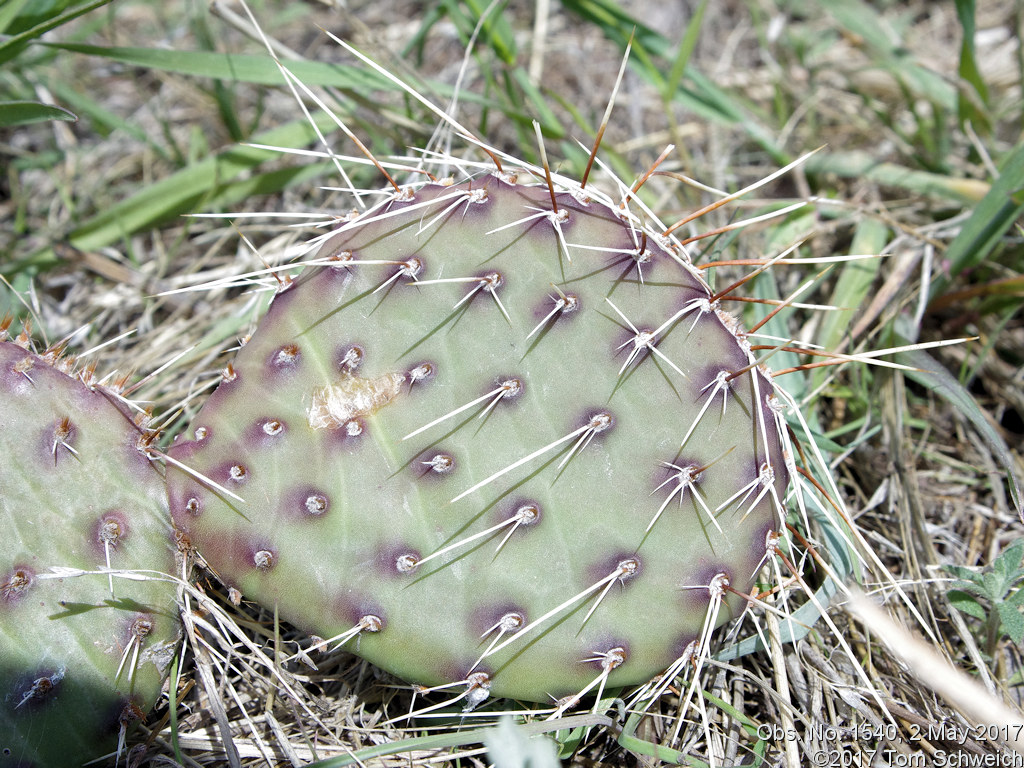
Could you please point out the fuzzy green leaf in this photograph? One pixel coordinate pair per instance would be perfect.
(967, 575)
(968, 604)
(510, 746)
(1012, 621)
(992, 585)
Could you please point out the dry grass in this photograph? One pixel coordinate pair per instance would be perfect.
(923, 488)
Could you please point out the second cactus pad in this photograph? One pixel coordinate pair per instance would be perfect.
(83, 653)
(500, 436)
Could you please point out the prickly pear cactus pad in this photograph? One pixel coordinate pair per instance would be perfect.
(81, 656)
(499, 436)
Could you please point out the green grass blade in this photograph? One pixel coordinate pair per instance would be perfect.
(967, 109)
(930, 374)
(686, 46)
(989, 222)
(208, 180)
(886, 50)
(262, 70)
(628, 739)
(797, 625)
(9, 11)
(496, 31)
(852, 288)
(543, 113)
(15, 44)
(172, 706)
(102, 119)
(460, 739)
(259, 69)
(652, 54)
(14, 113)
(862, 165)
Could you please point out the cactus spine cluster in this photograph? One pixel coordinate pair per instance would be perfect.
(83, 652)
(502, 435)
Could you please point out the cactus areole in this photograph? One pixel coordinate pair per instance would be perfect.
(499, 435)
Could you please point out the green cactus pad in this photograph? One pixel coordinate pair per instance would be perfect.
(529, 383)
(81, 656)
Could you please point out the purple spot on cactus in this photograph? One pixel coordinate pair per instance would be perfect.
(497, 618)
(682, 468)
(409, 268)
(555, 309)
(685, 646)
(348, 437)
(285, 359)
(626, 565)
(632, 346)
(355, 610)
(36, 690)
(184, 493)
(440, 464)
(110, 531)
(266, 431)
(596, 423)
(632, 266)
(434, 464)
(57, 442)
(690, 301)
(526, 512)
(237, 473)
(511, 387)
(117, 716)
(16, 583)
(272, 427)
(350, 357)
(607, 655)
(264, 559)
(487, 284)
(710, 577)
(138, 629)
(714, 383)
(16, 373)
(407, 562)
(398, 560)
(424, 371)
(309, 503)
(752, 478)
